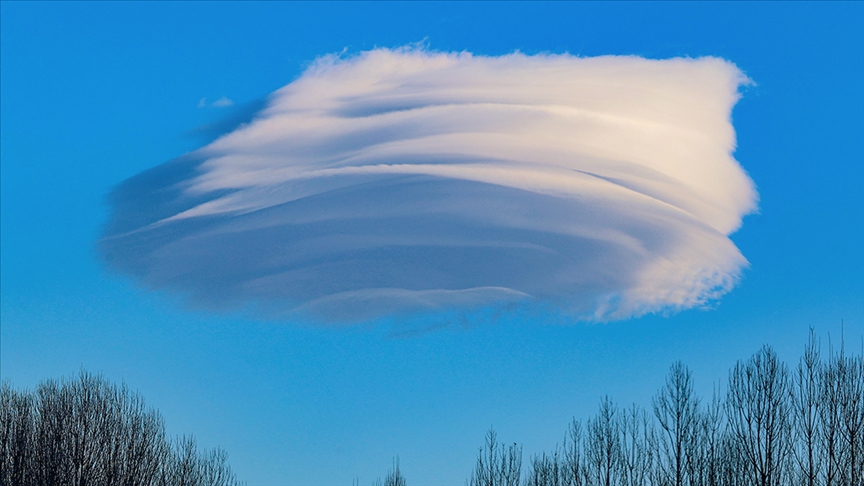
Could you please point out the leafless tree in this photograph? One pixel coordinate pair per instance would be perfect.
(757, 410)
(677, 411)
(806, 402)
(572, 461)
(17, 426)
(603, 446)
(394, 476)
(709, 443)
(773, 428)
(637, 454)
(547, 470)
(833, 452)
(842, 419)
(853, 417)
(733, 466)
(497, 465)
(89, 432)
(852, 411)
(565, 466)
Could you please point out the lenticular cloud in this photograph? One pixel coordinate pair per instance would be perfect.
(407, 180)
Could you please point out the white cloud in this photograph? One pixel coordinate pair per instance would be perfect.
(404, 179)
(222, 102)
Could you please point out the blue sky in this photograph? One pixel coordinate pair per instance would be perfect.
(93, 94)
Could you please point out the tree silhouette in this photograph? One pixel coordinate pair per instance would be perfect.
(758, 411)
(89, 432)
(677, 411)
(497, 465)
(770, 428)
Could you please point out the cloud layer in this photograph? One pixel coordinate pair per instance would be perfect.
(407, 180)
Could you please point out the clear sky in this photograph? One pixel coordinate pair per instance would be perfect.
(96, 93)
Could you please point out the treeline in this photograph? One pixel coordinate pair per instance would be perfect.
(773, 426)
(89, 432)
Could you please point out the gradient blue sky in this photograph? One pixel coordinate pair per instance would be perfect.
(94, 93)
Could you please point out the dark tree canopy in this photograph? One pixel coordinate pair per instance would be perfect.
(87, 431)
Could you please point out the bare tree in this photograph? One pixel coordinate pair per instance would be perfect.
(832, 449)
(603, 446)
(677, 412)
(734, 470)
(844, 378)
(758, 414)
(806, 402)
(853, 417)
(774, 428)
(497, 465)
(637, 454)
(394, 476)
(546, 470)
(709, 443)
(17, 426)
(572, 461)
(89, 432)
